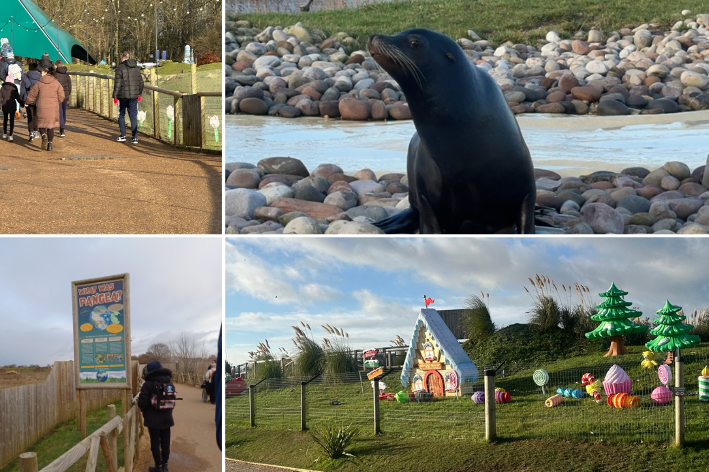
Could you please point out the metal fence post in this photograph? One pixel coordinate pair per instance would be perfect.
(377, 429)
(679, 400)
(490, 425)
(252, 412)
(302, 407)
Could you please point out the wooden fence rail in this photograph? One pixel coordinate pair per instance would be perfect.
(104, 439)
(189, 125)
(27, 412)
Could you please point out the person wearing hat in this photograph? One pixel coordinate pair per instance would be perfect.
(157, 421)
(9, 97)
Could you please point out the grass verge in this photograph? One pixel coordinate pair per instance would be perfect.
(65, 436)
(519, 21)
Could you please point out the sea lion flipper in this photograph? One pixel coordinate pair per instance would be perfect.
(525, 223)
(427, 217)
(406, 221)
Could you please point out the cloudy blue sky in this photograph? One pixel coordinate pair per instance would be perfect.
(373, 287)
(175, 286)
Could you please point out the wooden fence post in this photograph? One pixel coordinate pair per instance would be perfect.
(113, 438)
(377, 429)
(78, 91)
(302, 407)
(193, 75)
(110, 98)
(92, 458)
(205, 120)
(490, 424)
(252, 411)
(128, 442)
(679, 400)
(81, 410)
(28, 462)
(176, 122)
(107, 453)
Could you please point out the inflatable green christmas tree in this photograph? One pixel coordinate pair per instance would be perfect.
(613, 314)
(670, 331)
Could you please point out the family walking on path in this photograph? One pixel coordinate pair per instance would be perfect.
(43, 92)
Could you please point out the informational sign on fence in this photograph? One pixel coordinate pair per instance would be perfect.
(102, 332)
(679, 391)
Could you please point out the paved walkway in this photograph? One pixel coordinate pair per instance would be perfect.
(233, 465)
(92, 184)
(193, 445)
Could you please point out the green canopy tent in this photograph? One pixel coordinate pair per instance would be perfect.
(32, 33)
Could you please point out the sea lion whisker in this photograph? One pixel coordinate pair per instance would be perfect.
(406, 64)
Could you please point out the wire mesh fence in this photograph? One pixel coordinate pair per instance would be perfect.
(348, 399)
(173, 116)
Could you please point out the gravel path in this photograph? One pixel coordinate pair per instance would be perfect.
(92, 184)
(193, 443)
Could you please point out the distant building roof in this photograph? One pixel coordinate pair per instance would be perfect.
(448, 345)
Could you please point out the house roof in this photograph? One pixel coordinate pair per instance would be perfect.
(448, 346)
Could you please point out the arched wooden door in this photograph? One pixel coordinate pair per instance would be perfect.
(434, 383)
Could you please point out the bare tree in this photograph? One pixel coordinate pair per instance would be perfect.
(160, 352)
(189, 354)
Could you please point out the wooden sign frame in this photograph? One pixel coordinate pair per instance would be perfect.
(128, 384)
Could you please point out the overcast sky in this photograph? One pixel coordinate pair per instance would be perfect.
(373, 287)
(175, 286)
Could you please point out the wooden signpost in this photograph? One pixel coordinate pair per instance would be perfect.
(101, 311)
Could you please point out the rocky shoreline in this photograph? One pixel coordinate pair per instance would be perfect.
(279, 195)
(291, 72)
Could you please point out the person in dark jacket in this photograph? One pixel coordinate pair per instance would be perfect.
(157, 421)
(45, 62)
(9, 96)
(127, 89)
(65, 80)
(28, 80)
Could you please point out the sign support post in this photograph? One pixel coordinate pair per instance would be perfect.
(101, 314)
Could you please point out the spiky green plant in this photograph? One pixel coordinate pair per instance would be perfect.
(477, 323)
(334, 441)
(338, 355)
(310, 356)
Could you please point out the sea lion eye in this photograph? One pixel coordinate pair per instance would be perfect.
(415, 43)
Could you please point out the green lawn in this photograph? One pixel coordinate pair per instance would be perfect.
(458, 425)
(495, 20)
(64, 437)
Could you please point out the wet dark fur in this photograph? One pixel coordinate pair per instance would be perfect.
(469, 168)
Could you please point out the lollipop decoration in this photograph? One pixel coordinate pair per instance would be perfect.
(665, 374)
(170, 111)
(541, 378)
(214, 123)
(141, 118)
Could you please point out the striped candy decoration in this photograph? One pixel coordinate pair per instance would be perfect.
(553, 401)
(587, 379)
(704, 388)
(502, 397)
(596, 396)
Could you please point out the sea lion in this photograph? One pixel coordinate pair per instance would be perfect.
(469, 168)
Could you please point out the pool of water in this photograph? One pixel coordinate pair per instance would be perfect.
(570, 145)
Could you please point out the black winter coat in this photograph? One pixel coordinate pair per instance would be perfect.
(28, 80)
(8, 95)
(45, 62)
(153, 418)
(129, 81)
(65, 80)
